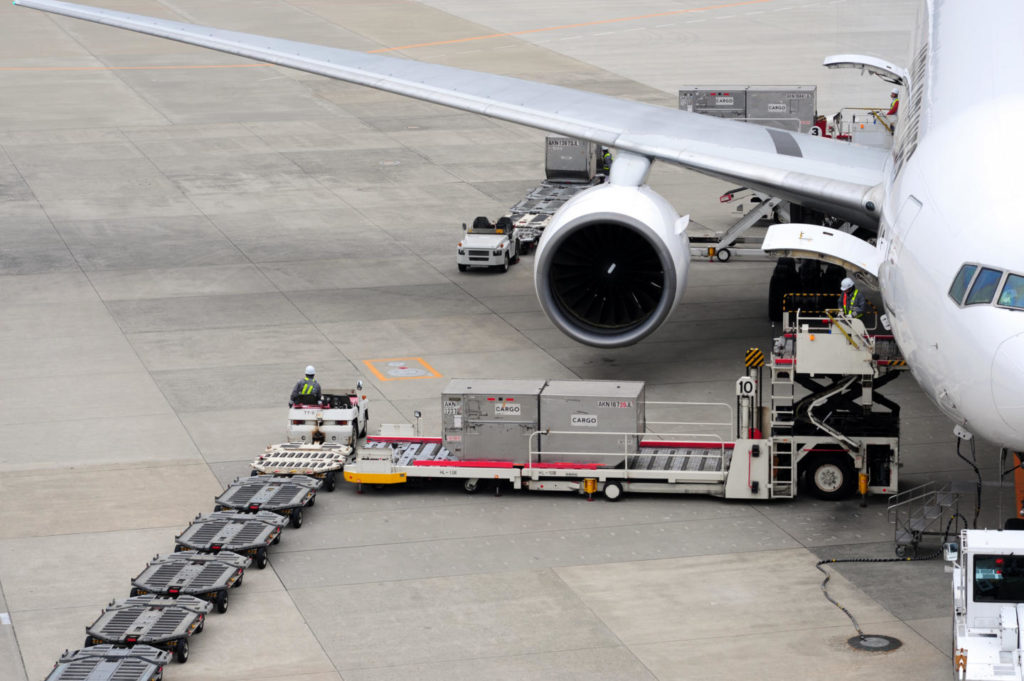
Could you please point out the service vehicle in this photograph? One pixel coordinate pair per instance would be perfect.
(825, 424)
(320, 461)
(286, 495)
(339, 417)
(191, 573)
(487, 245)
(988, 604)
(111, 663)
(157, 621)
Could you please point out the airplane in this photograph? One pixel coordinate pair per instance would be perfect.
(611, 266)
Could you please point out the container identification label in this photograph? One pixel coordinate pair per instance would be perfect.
(508, 409)
(585, 420)
(450, 408)
(616, 404)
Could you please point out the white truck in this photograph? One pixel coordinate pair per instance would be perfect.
(988, 604)
(340, 417)
(487, 245)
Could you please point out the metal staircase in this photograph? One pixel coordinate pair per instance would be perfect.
(921, 511)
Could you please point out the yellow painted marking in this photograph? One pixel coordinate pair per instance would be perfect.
(375, 478)
(431, 372)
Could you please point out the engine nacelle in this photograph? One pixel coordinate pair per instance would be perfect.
(612, 264)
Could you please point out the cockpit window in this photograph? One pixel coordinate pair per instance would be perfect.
(1013, 292)
(984, 287)
(963, 278)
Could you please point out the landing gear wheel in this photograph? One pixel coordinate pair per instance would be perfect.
(831, 477)
(330, 482)
(463, 268)
(723, 254)
(612, 491)
(471, 485)
(296, 517)
(222, 601)
(261, 558)
(181, 651)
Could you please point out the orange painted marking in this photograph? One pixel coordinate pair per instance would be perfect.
(129, 68)
(599, 22)
(406, 361)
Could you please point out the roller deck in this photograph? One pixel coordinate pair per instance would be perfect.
(111, 663)
(250, 534)
(149, 619)
(285, 495)
(190, 573)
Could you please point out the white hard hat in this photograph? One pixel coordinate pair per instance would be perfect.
(310, 371)
(895, 91)
(846, 285)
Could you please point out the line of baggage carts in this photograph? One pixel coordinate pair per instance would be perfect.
(169, 600)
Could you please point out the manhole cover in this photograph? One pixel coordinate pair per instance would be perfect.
(874, 643)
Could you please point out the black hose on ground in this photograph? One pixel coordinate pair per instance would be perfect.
(834, 561)
(972, 462)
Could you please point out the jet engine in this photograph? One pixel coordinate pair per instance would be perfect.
(612, 264)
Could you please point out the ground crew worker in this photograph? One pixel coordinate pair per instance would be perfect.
(606, 162)
(850, 301)
(306, 391)
(894, 105)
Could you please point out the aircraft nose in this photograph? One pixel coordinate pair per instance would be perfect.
(1008, 381)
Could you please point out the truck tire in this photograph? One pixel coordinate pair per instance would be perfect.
(515, 258)
(222, 601)
(831, 477)
(504, 266)
(612, 491)
(181, 651)
(463, 268)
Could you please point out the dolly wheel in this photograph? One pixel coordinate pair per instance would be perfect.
(222, 601)
(261, 558)
(201, 625)
(297, 517)
(312, 500)
(330, 482)
(253, 473)
(181, 651)
(612, 491)
(471, 485)
(238, 582)
(88, 642)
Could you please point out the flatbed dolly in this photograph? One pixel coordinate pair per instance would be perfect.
(150, 620)
(284, 495)
(249, 534)
(190, 573)
(111, 663)
(323, 462)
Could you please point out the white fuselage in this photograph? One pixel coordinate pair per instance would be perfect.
(954, 201)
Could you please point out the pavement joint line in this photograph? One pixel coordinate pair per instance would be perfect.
(583, 24)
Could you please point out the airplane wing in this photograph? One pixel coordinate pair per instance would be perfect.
(834, 177)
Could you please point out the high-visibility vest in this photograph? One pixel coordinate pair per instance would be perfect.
(849, 300)
(307, 386)
(606, 160)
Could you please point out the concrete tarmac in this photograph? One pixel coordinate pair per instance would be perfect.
(182, 231)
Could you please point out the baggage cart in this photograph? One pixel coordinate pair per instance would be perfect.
(283, 495)
(151, 620)
(190, 573)
(111, 663)
(249, 534)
